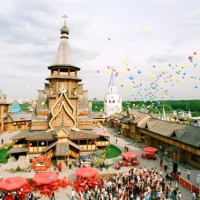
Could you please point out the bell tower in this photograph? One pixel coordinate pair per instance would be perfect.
(63, 85)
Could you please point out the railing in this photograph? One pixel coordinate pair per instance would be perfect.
(19, 145)
(73, 154)
(186, 184)
(87, 147)
(102, 143)
(36, 149)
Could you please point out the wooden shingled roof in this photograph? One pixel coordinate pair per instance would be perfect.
(74, 145)
(191, 136)
(20, 135)
(41, 135)
(17, 150)
(62, 148)
(82, 135)
(140, 117)
(162, 127)
(186, 134)
(49, 147)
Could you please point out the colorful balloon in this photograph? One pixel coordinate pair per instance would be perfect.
(144, 31)
(190, 57)
(131, 77)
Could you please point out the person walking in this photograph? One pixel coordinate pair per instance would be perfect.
(179, 195)
(53, 196)
(116, 141)
(73, 194)
(161, 161)
(193, 195)
(36, 196)
(165, 168)
(167, 191)
(198, 177)
(80, 195)
(188, 174)
(125, 148)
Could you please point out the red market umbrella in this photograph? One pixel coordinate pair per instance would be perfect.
(13, 183)
(87, 172)
(40, 159)
(129, 155)
(42, 178)
(150, 149)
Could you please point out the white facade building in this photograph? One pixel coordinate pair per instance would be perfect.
(112, 100)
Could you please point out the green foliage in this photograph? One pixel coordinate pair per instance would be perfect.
(3, 155)
(156, 106)
(195, 114)
(97, 106)
(25, 106)
(18, 169)
(112, 151)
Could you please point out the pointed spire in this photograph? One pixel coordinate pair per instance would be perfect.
(163, 114)
(112, 79)
(64, 53)
(189, 114)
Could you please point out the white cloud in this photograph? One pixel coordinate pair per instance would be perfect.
(30, 35)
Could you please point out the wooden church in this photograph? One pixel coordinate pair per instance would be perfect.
(57, 128)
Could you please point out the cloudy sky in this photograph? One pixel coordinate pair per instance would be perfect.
(147, 43)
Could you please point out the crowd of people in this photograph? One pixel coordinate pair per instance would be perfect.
(136, 184)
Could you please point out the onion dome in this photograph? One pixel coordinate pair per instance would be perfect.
(65, 30)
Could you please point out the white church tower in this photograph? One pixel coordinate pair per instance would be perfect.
(112, 100)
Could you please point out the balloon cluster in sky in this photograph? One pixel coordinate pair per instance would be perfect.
(159, 83)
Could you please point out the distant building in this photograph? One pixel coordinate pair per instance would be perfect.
(15, 108)
(112, 100)
(4, 105)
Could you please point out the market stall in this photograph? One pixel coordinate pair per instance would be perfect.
(149, 153)
(40, 163)
(130, 159)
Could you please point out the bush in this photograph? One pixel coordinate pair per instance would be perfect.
(3, 155)
(18, 169)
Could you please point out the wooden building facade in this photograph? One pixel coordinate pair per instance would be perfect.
(177, 141)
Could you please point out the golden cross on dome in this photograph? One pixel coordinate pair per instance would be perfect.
(65, 17)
